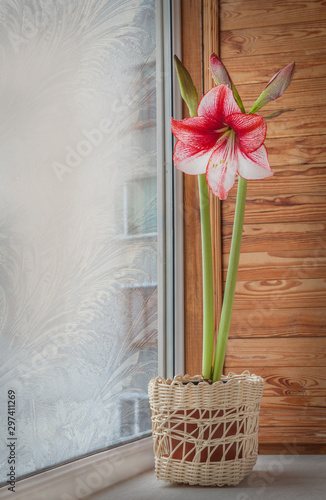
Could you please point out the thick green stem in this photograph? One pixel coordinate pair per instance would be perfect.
(208, 297)
(231, 281)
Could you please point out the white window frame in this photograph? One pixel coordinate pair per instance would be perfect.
(85, 476)
(170, 239)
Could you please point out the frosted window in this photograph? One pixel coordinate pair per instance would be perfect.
(78, 230)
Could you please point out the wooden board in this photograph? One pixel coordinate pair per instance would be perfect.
(295, 96)
(294, 381)
(283, 236)
(285, 450)
(254, 353)
(297, 434)
(191, 55)
(278, 325)
(300, 264)
(293, 403)
(238, 15)
(296, 150)
(279, 294)
(292, 179)
(307, 65)
(268, 40)
(282, 208)
(300, 122)
(307, 418)
(264, 323)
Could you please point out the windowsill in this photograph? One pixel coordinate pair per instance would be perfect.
(293, 477)
(85, 477)
(128, 472)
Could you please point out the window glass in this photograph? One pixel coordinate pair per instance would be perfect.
(78, 225)
(141, 206)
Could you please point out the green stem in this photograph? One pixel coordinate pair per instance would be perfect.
(208, 297)
(231, 281)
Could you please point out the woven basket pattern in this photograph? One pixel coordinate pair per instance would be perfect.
(203, 433)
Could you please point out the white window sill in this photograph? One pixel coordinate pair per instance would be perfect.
(87, 476)
(294, 477)
(132, 466)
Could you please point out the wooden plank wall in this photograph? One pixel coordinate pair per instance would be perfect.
(200, 37)
(278, 328)
(193, 292)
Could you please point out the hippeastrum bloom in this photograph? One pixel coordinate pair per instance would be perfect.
(221, 142)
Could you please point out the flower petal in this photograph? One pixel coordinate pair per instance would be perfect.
(221, 171)
(250, 130)
(217, 104)
(198, 132)
(189, 160)
(254, 165)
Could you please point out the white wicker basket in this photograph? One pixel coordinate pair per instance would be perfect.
(205, 434)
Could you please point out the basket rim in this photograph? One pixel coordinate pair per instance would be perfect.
(184, 381)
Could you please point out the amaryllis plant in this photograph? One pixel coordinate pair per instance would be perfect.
(219, 142)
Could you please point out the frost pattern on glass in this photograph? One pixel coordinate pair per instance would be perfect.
(78, 242)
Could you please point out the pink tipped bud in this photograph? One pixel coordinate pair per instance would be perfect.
(275, 87)
(219, 72)
(280, 82)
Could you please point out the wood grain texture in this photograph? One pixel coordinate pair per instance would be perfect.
(279, 209)
(264, 323)
(284, 236)
(237, 15)
(296, 122)
(285, 450)
(282, 266)
(294, 381)
(279, 265)
(191, 41)
(287, 352)
(310, 417)
(210, 38)
(289, 179)
(283, 403)
(297, 434)
(280, 294)
(308, 65)
(192, 59)
(278, 326)
(269, 40)
(294, 98)
(296, 150)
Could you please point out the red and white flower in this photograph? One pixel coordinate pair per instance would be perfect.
(221, 142)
